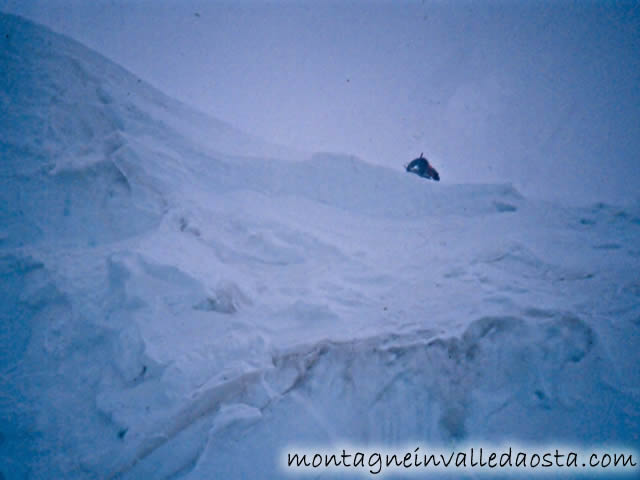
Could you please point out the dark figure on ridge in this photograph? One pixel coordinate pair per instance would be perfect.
(421, 166)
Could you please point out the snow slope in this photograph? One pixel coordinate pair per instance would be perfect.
(182, 301)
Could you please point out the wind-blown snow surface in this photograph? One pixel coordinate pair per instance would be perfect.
(178, 303)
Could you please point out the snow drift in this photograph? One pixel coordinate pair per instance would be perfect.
(178, 297)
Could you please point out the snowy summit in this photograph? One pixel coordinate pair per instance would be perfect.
(181, 300)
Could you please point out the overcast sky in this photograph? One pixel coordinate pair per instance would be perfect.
(543, 94)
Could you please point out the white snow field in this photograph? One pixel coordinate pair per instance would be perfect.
(182, 301)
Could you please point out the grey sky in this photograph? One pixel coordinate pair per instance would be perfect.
(543, 94)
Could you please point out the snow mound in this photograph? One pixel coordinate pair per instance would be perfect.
(328, 178)
(424, 389)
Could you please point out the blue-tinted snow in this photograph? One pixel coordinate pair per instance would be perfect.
(178, 298)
